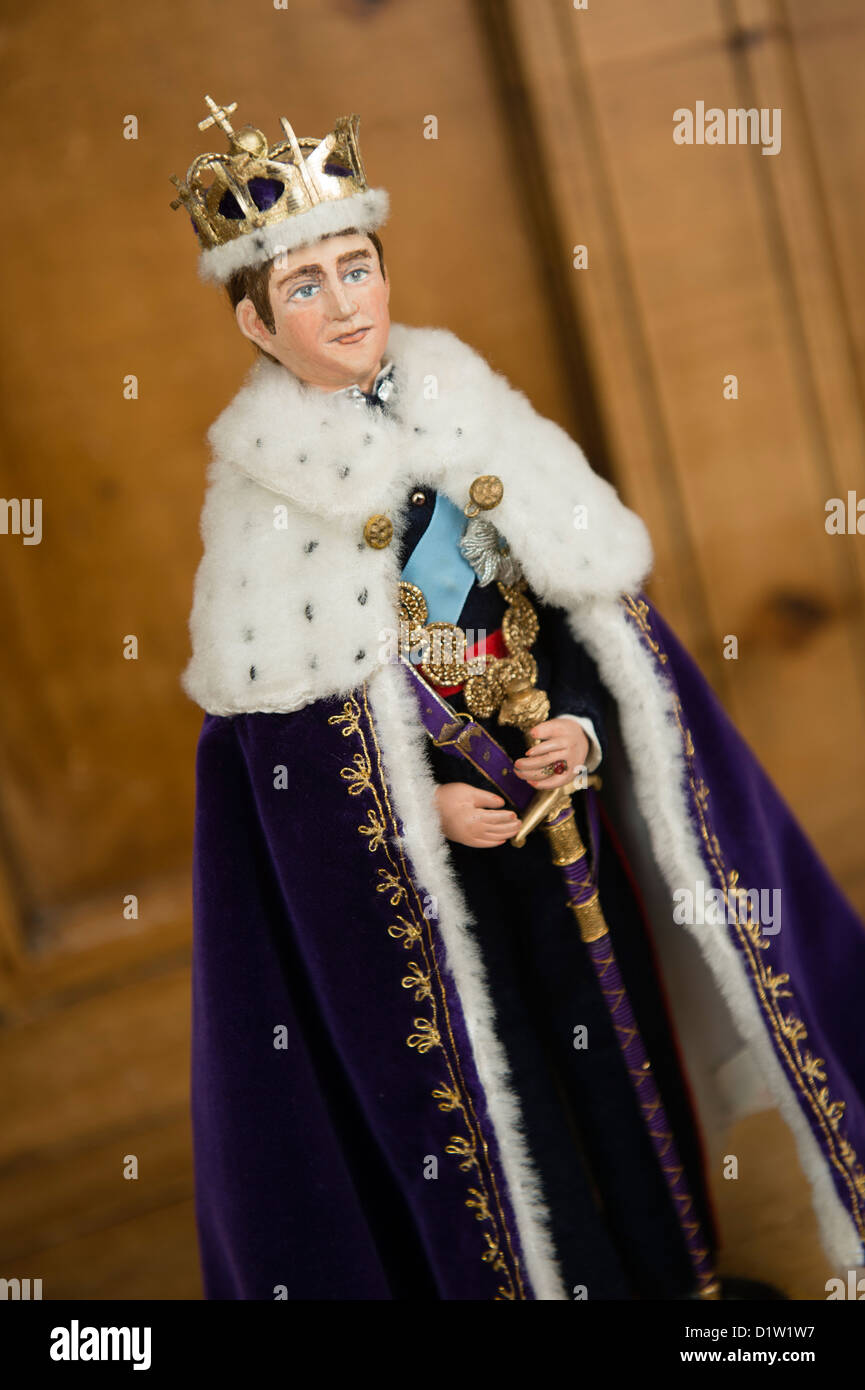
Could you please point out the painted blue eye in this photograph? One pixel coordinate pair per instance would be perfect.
(359, 270)
(299, 291)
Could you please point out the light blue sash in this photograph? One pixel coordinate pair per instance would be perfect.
(437, 565)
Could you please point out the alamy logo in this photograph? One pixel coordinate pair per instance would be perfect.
(75, 1343)
(22, 516)
(20, 1289)
(735, 126)
(713, 908)
(854, 1288)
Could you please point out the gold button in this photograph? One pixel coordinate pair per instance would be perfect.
(486, 492)
(418, 498)
(378, 531)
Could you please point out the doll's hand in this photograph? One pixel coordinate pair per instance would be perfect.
(562, 740)
(473, 816)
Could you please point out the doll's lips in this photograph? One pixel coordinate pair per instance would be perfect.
(352, 337)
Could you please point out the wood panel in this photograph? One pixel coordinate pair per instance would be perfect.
(709, 260)
(86, 1083)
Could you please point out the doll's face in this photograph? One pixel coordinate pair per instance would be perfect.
(330, 306)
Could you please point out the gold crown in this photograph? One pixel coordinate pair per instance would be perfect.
(257, 200)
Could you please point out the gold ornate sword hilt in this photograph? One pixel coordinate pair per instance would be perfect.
(524, 706)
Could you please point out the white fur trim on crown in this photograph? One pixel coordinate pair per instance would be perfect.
(366, 211)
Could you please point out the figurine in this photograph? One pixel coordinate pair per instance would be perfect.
(483, 965)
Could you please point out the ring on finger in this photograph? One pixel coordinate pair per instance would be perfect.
(553, 769)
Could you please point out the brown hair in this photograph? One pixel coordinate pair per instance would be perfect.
(253, 282)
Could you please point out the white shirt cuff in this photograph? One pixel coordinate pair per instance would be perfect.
(593, 761)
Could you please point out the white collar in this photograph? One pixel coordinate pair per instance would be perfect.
(385, 374)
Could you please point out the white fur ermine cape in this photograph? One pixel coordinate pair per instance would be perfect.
(292, 606)
(297, 596)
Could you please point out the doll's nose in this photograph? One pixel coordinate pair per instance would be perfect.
(343, 304)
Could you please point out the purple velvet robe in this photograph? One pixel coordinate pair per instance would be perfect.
(309, 1153)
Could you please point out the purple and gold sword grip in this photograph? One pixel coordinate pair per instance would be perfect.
(548, 803)
(544, 803)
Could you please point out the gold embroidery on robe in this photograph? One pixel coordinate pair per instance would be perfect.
(434, 1032)
(788, 1029)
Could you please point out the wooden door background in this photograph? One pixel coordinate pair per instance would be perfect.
(554, 131)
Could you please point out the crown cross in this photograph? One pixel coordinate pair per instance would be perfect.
(218, 116)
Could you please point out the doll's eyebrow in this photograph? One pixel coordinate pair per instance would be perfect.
(316, 270)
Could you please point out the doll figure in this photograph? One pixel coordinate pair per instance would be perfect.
(498, 921)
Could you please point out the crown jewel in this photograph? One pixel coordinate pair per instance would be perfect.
(257, 200)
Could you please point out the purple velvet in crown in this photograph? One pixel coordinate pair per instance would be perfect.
(264, 193)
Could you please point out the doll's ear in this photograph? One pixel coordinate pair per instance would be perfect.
(250, 324)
